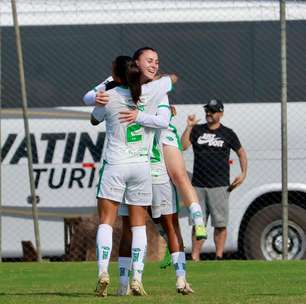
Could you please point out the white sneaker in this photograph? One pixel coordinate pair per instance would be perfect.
(124, 290)
(183, 287)
(103, 282)
(137, 288)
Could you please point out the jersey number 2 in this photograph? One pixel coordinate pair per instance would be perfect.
(132, 133)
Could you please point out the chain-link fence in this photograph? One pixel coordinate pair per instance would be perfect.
(228, 50)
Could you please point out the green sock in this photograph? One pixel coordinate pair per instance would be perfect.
(166, 260)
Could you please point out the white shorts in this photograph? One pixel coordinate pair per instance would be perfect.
(164, 201)
(131, 183)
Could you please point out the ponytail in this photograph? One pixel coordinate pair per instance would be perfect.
(133, 75)
(127, 73)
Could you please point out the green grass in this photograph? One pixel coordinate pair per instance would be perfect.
(244, 282)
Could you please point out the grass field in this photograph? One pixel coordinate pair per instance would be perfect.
(214, 282)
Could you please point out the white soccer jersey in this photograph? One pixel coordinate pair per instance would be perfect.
(130, 143)
(166, 135)
(161, 122)
(159, 171)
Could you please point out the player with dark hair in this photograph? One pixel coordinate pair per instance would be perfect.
(126, 170)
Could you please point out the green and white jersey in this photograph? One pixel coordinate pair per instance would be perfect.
(130, 143)
(162, 137)
(170, 137)
(159, 171)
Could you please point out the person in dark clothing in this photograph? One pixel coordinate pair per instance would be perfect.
(211, 143)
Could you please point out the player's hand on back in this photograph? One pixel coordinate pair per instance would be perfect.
(173, 110)
(128, 116)
(102, 98)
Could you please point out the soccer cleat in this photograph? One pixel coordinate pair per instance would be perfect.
(200, 232)
(166, 260)
(137, 288)
(183, 287)
(124, 290)
(219, 258)
(103, 282)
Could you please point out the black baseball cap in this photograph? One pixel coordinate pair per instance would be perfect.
(214, 105)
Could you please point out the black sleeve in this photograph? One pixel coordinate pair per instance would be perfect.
(110, 85)
(234, 141)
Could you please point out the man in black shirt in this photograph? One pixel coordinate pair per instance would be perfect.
(211, 143)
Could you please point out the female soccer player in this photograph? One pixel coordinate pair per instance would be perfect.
(164, 210)
(126, 169)
(163, 190)
(147, 60)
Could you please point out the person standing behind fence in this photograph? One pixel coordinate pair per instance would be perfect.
(211, 143)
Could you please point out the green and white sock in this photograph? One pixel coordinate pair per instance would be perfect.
(124, 264)
(179, 263)
(196, 213)
(104, 247)
(139, 248)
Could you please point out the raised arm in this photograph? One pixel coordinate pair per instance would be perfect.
(98, 96)
(185, 138)
(90, 97)
(173, 78)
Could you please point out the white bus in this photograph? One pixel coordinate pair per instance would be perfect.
(66, 166)
(67, 150)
